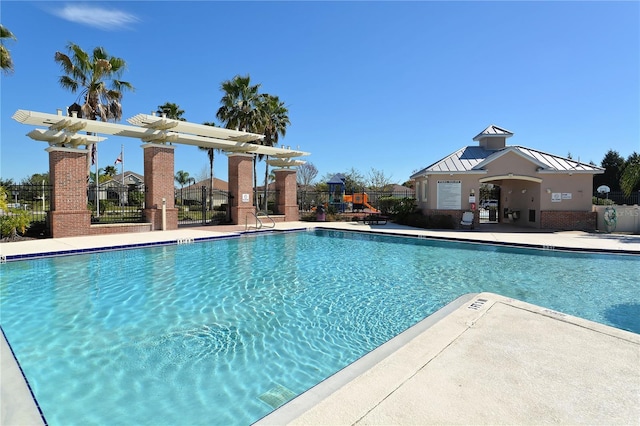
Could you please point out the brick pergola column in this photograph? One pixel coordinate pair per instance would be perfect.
(158, 181)
(69, 215)
(241, 186)
(287, 190)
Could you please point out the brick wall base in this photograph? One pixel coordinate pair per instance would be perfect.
(69, 223)
(119, 228)
(568, 220)
(291, 213)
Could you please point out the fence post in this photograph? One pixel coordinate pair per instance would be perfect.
(204, 205)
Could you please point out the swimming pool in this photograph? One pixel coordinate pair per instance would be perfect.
(224, 332)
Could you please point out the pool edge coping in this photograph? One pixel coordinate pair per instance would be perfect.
(312, 226)
(453, 316)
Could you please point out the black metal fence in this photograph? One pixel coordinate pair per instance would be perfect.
(196, 206)
(616, 197)
(347, 202)
(27, 205)
(116, 203)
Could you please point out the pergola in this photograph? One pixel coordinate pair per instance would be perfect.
(68, 152)
(63, 131)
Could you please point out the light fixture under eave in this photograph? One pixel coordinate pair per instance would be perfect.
(548, 190)
(524, 191)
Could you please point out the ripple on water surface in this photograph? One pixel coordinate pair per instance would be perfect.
(227, 330)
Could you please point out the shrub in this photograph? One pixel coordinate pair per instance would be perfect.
(602, 201)
(308, 217)
(136, 198)
(397, 206)
(418, 220)
(14, 222)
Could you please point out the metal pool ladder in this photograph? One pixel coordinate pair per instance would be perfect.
(259, 216)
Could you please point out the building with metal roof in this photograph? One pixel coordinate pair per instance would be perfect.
(534, 188)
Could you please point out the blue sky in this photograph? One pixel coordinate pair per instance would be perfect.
(392, 86)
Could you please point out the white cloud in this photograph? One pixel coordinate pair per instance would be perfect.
(98, 17)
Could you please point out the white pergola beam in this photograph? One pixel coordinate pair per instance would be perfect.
(153, 130)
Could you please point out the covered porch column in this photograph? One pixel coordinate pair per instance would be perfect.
(69, 215)
(241, 187)
(158, 181)
(287, 192)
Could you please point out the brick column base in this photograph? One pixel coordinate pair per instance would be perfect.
(68, 171)
(287, 190)
(241, 188)
(69, 223)
(158, 180)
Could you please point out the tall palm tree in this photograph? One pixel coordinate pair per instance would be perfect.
(5, 56)
(211, 154)
(97, 77)
(239, 110)
(274, 121)
(171, 110)
(182, 178)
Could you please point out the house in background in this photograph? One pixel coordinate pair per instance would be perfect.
(193, 194)
(534, 189)
(119, 190)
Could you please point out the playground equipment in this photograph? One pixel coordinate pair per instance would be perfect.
(360, 201)
(339, 200)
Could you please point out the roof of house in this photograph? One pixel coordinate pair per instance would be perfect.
(493, 131)
(218, 184)
(117, 179)
(471, 159)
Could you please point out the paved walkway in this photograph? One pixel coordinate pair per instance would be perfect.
(483, 359)
(499, 234)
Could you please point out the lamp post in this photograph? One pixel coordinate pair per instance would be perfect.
(43, 210)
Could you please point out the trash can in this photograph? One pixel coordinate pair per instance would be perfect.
(320, 215)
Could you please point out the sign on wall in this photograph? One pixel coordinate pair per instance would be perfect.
(449, 195)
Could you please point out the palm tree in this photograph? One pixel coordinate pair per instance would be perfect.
(5, 56)
(97, 79)
(274, 121)
(171, 110)
(93, 179)
(211, 154)
(110, 171)
(239, 110)
(182, 178)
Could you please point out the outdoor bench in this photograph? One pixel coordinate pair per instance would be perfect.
(375, 218)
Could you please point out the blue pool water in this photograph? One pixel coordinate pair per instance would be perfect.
(225, 331)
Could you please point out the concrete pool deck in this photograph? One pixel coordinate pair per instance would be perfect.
(482, 359)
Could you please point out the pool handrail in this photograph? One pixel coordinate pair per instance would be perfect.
(259, 224)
